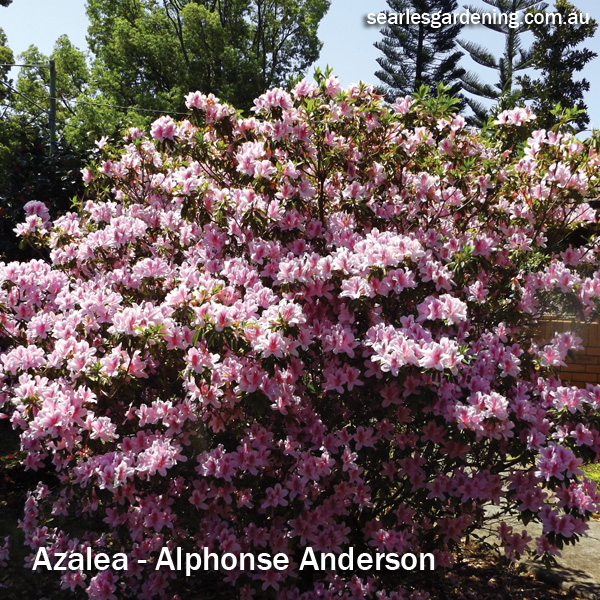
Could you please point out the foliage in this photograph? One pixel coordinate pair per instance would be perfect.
(419, 54)
(593, 472)
(34, 175)
(27, 172)
(147, 55)
(556, 57)
(514, 59)
(312, 327)
(150, 54)
(32, 103)
(6, 135)
(6, 58)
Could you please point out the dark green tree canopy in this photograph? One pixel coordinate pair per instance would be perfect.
(31, 104)
(6, 58)
(5, 2)
(419, 54)
(27, 172)
(150, 53)
(557, 57)
(7, 134)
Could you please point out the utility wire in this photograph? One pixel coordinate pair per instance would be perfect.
(149, 110)
(29, 65)
(91, 103)
(87, 102)
(26, 97)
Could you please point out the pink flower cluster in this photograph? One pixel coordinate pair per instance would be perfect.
(315, 326)
(517, 116)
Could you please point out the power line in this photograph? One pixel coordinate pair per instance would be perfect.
(53, 98)
(26, 97)
(52, 112)
(28, 65)
(149, 110)
(106, 105)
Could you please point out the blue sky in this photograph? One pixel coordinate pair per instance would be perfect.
(347, 39)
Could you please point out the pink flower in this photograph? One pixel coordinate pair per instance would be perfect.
(274, 98)
(517, 116)
(332, 306)
(402, 105)
(275, 497)
(102, 586)
(332, 86)
(163, 128)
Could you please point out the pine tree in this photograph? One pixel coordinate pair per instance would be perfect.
(556, 57)
(418, 54)
(514, 59)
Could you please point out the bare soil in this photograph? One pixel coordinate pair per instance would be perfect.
(483, 575)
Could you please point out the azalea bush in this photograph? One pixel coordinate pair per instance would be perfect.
(314, 327)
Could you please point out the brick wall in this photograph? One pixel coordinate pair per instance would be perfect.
(585, 366)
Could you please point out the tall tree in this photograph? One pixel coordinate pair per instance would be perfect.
(284, 37)
(6, 58)
(557, 58)
(31, 104)
(418, 53)
(150, 53)
(7, 138)
(505, 20)
(27, 172)
(5, 2)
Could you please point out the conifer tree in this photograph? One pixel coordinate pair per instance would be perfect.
(555, 54)
(514, 59)
(418, 54)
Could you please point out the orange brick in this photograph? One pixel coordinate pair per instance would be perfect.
(584, 366)
(566, 374)
(553, 328)
(594, 335)
(582, 359)
(584, 334)
(584, 377)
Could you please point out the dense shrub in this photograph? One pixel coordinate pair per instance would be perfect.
(31, 174)
(313, 327)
